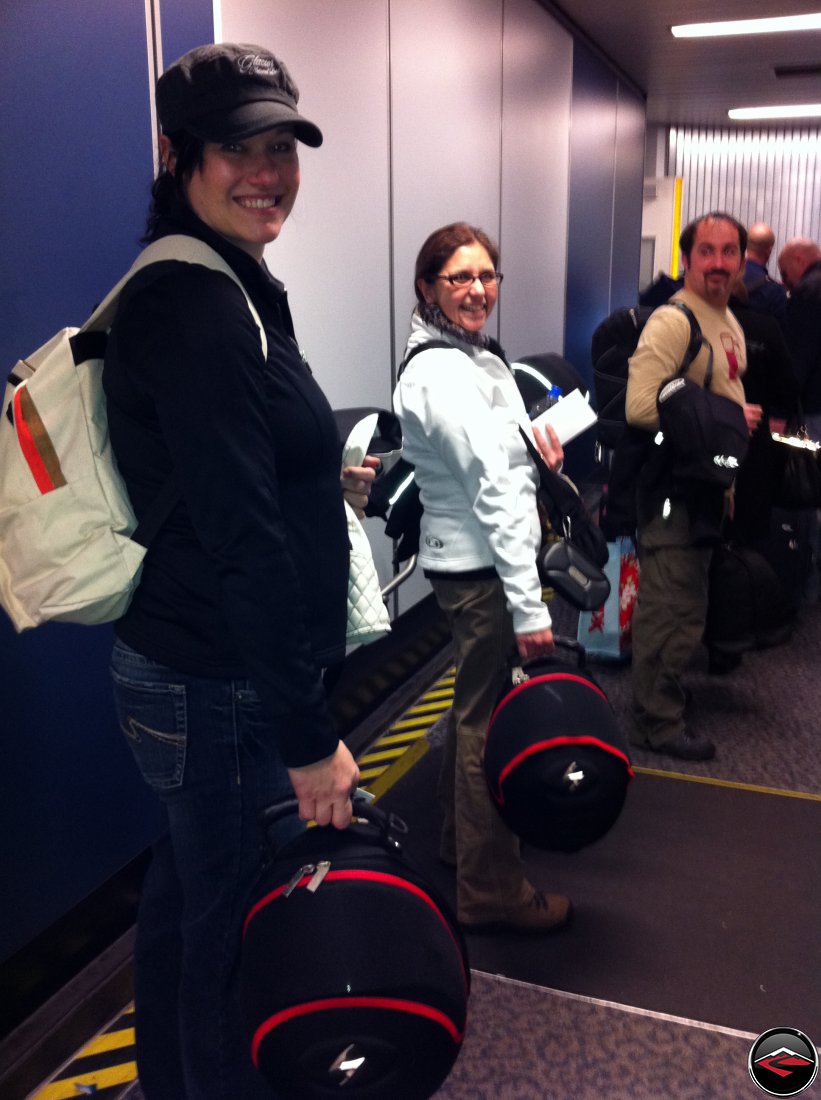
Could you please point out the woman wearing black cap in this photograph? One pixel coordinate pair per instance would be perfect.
(217, 662)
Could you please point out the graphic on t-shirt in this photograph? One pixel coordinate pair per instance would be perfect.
(729, 345)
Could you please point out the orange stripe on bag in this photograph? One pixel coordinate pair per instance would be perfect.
(35, 443)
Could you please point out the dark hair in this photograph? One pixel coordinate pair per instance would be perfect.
(169, 187)
(441, 245)
(688, 234)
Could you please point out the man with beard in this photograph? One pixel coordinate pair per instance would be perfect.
(675, 559)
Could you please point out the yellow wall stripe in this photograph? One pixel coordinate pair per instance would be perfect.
(674, 249)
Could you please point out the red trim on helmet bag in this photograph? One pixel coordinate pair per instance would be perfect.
(380, 877)
(393, 1004)
(547, 677)
(554, 742)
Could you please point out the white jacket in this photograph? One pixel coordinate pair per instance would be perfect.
(460, 411)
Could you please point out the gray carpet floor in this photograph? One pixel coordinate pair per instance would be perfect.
(764, 716)
(529, 1043)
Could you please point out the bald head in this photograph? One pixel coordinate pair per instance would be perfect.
(794, 259)
(760, 241)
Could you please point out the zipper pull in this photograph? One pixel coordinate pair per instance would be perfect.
(306, 869)
(322, 868)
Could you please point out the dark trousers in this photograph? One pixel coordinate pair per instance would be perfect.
(490, 875)
(668, 624)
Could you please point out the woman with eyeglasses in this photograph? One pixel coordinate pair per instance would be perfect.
(460, 411)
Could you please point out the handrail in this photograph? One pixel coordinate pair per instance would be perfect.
(400, 577)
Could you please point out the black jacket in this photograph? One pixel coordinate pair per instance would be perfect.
(247, 579)
(770, 379)
(804, 336)
(770, 382)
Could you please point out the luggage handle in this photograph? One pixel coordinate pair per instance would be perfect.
(389, 826)
(519, 667)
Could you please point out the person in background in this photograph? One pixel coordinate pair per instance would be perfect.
(217, 664)
(800, 264)
(763, 292)
(671, 609)
(770, 382)
(460, 411)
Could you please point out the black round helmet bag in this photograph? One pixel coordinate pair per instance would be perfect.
(555, 760)
(353, 972)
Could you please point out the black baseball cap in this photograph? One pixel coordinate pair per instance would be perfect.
(230, 91)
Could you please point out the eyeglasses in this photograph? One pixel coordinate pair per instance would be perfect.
(467, 278)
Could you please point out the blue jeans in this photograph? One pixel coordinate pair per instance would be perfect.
(208, 752)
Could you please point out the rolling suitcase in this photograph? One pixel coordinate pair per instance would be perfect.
(555, 759)
(354, 978)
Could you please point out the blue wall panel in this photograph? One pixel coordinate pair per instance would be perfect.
(185, 25)
(606, 171)
(592, 158)
(76, 169)
(627, 205)
(74, 185)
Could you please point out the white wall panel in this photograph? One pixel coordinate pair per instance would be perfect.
(333, 252)
(446, 90)
(536, 97)
(446, 93)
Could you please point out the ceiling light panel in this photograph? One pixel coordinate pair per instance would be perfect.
(790, 110)
(775, 24)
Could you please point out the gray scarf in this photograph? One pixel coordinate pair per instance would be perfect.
(432, 315)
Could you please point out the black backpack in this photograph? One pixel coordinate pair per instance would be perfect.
(614, 341)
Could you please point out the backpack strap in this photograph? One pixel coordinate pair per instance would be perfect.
(695, 345)
(427, 346)
(185, 249)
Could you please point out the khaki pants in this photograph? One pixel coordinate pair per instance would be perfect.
(490, 874)
(668, 624)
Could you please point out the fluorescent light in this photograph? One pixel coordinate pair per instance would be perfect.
(790, 110)
(810, 22)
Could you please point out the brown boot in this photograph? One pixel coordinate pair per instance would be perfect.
(543, 913)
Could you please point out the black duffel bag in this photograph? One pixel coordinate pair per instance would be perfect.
(354, 977)
(555, 759)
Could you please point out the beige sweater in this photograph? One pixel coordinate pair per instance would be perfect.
(661, 349)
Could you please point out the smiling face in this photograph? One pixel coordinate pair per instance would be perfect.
(714, 262)
(467, 306)
(244, 190)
